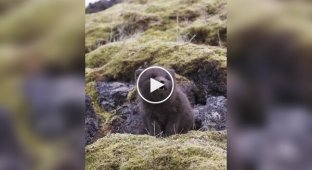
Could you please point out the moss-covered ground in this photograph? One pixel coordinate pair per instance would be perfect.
(195, 150)
(119, 60)
(160, 19)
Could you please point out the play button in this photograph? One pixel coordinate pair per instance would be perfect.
(154, 85)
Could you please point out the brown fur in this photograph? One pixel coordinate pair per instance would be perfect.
(173, 116)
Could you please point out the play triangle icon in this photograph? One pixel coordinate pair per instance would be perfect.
(154, 85)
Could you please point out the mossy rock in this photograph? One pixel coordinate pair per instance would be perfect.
(214, 33)
(194, 150)
(101, 56)
(125, 20)
(103, 115)
(117, 23)
(132, 95)
(184, 58)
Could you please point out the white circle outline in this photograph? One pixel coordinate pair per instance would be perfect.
(137, 85)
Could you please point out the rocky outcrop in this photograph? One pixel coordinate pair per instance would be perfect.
(126, 118)
(91, 121)
(112, 94)
(211, 116)
(101, 5)
(12, 155)
(210, 79)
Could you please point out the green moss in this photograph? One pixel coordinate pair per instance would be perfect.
(155, 19)
(195, 150)
(184, 58)
(190, 1)
(132, 95)
(116, 23)
(152, 34)
(215, 7)
(101, 55)
(203, 33)
(138, 1)
(97, 36)
(103, 26)
(90, 91)
(154, 8)
(184, 14)
(135, 22)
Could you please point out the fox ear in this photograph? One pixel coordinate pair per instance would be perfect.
(137, 73)
(172, 72)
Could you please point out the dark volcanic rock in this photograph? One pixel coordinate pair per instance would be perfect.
(12, 155)
(91, 122)
(57, 105)
(127, 120)
(112, 94)
(113, 98)
(211, 116)
(101, 5)
(210, 79)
